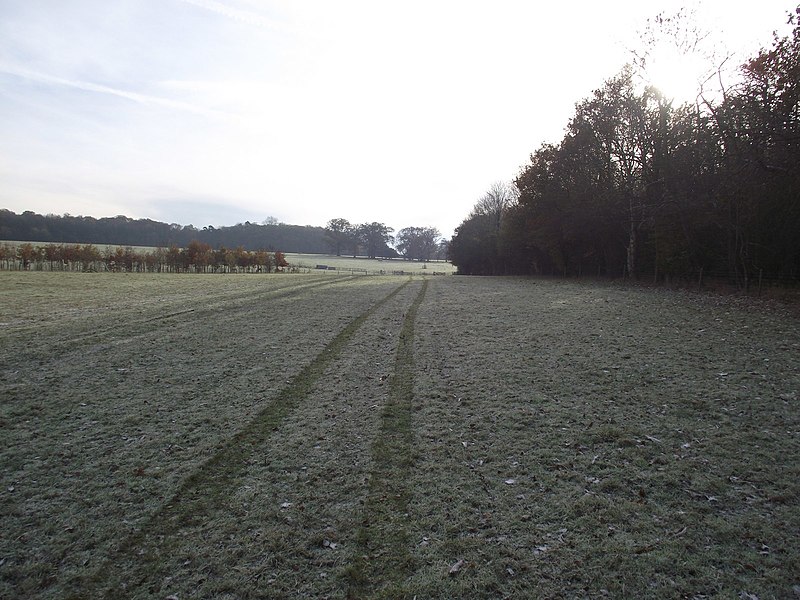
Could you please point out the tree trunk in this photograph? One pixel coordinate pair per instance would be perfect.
(633, 242)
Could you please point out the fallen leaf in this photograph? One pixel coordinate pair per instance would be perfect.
(455, 568)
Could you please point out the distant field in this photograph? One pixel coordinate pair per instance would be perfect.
(371, 265)
(303, 435)
(100, 247)
(310, 261)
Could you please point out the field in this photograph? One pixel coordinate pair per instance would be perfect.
(310, 262)
(370, 265)
(288, 436)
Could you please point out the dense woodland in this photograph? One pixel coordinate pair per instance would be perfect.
(642, 188)
(124, 231)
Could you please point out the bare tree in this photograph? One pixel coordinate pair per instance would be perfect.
(498, 198)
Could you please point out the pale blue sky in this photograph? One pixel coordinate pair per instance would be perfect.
(221, 111)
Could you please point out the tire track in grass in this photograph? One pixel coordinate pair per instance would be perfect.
(142, 326)
(383, 558)
(305, 485)
(205, 490)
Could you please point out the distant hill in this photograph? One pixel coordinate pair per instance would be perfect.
(124, 231)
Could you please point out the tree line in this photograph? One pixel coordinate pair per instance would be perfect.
(125, 231)
(642, 188)
(373, 240)
(196, 257)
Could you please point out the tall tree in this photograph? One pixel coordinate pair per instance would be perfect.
(768, 109)
(339, 234)
(375, 237)
(473, 249)
(485, 220)
(640, 185)
(627, 129)
(418, 243)
(498, 198)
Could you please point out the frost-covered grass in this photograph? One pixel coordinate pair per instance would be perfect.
(371, 265)
(589, 441)
(317, 436)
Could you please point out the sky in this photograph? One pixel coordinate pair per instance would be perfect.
(216, 112)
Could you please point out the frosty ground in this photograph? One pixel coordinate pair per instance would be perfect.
(314, 436)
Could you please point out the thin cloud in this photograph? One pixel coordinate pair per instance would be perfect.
(103, 89)
(242, 16)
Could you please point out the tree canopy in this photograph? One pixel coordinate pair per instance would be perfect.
(418, 243)
(126, 231)
(642, 188)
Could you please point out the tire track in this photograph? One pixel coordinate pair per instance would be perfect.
(384, 558)
(90, 351)
(288, 527)
(142, 327)
(205, 490)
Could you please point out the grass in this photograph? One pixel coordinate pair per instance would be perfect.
(609, 442)
(370, 265)
(383, 557)
(203, 493)
(317, 436)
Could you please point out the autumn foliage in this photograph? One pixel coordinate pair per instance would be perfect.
(197, 257)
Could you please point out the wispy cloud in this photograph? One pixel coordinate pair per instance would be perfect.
(88, 86)
(242, 16)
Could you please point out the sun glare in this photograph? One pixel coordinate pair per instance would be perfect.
(677, 76)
